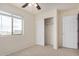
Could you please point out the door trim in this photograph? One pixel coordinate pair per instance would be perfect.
(78, 31)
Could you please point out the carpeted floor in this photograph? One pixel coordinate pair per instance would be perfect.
(46, 51)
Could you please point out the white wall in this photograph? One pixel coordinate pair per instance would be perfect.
(9, 44)
(40, 27)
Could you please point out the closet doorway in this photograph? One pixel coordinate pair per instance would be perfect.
(48, 22)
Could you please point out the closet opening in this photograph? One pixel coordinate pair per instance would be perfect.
(48, 22)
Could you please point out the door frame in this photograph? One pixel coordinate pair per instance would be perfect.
(45, 28)
(78, 30)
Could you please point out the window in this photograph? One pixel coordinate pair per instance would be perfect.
(6, 25)
(17, 26)
(10, 24)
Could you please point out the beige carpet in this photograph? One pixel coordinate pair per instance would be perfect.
(46, 51)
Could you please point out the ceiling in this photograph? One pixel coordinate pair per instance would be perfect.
(46, 6)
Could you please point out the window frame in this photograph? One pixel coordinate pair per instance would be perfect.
(21, 28)
(13, 16)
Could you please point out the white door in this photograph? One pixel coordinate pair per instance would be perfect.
(70, 31)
